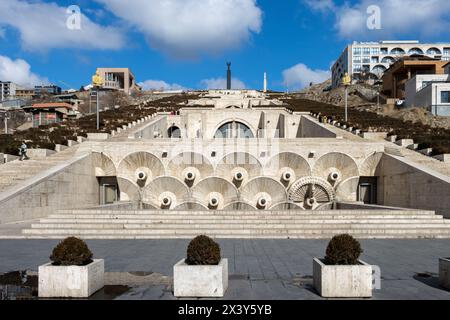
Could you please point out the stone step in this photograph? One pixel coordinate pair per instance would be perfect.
(290, 226)
(242, 221)
(227, 232)
(243, 217)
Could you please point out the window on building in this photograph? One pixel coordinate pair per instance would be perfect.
(445, 96)
(366, 60)
(366, 51)
(357, 60)
(374, 60)
(384, 50)
(446, 51)
(357, 51)
(375, 51)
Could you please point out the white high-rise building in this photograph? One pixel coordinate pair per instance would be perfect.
(7, 90)
(372, 59)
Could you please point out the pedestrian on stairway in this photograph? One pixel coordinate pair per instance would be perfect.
(23, 151)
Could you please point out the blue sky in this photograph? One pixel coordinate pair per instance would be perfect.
(185, 43)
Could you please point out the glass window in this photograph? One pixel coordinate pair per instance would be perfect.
(374, 60)
(375, 51)
(445, 96)
(446, 51)
(366, 60)
(366, 51)
(384, 50)
(357, 51)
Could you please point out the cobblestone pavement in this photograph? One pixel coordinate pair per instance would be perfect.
(259, 269)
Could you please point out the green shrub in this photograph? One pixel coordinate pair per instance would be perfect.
(71, 252)
(203, 251)
(343, 250)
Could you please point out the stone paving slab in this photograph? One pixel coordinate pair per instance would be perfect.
(259, 269)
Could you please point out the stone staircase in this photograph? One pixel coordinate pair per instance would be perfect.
(128, 224)
(14, 173)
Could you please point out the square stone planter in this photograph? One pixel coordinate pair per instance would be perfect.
(200, 281)
(444, 273)
(71, 281)
(342, 281)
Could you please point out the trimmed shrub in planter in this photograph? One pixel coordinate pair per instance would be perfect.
(203, 273)
(72, 272)
(341, 274)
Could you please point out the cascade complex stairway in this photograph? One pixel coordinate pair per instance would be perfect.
(15, 172)
(127, 224)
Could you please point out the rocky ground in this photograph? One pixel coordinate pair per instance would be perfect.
(363, 98)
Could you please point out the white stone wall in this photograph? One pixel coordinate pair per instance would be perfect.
(409, 185)
(74, 185)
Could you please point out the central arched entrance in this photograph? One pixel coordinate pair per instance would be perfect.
(234, 129)
(174, 132)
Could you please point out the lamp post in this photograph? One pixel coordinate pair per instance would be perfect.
(346, 81)
(97, 82)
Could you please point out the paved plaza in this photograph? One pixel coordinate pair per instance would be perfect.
(259, 269)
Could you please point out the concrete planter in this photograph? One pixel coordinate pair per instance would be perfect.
(200, 281)
(343, 281)
(71, 281)
(444, 273)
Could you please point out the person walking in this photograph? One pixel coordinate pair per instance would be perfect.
(23, 152)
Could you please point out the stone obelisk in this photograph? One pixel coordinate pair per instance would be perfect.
(229, 76)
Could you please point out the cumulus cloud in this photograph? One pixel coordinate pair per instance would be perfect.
(42, 26)
(398, 17)
(19, 71)
(189, 28)
(160, 85)
(221, 83)
(300, 76)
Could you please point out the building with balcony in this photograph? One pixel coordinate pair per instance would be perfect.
(7, 90)
(369, 60)
(121, 79)
(403, 70)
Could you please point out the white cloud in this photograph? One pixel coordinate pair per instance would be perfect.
(19, 71)
(42, 26)
(189, 28)
(221, 83)
(398, 17)
(300, 76)
(160, 84)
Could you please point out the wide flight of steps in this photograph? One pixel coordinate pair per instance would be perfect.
(15, 172)
(125, 224)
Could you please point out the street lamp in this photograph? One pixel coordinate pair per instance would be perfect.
(97, 82)
(346, 81)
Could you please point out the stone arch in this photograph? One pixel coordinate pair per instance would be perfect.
(370, 165)
(103, 165)
(244, 123)
(140, 167)
(335, 167)
(174, 132)
(190, 167)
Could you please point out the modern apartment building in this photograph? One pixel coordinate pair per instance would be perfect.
(370, 60)
(430, 91)
(51, 89)
(121, 79)
(7, 90)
